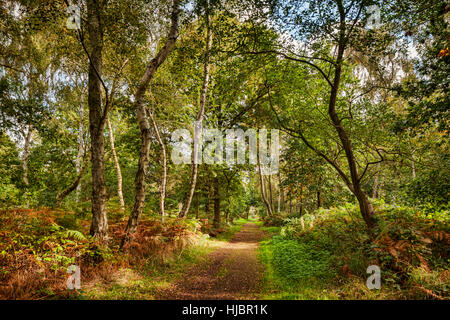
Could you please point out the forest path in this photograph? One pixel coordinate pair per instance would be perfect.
(231, 271)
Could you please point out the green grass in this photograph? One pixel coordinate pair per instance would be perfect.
(259, 223)
(291, 272)
(272, 231)
(242, 221)
(231, 230)
(329, 259)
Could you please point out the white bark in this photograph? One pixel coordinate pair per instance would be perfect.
(162, 189)
(117, 165)
(144, 127)
(80, 152)
(263, 192)
(26, 154)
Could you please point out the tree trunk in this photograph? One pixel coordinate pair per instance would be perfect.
(319, 200)
(227, 211)
(227, 215)
(196, 206)
(99, 225)
(162, 189)
(117, 165)
(263, 193)
(269, 180)
(74, 185)
(375, 183)
(279, 194)
(380, 188)
(200, 115)
(26, 154)
(80, 151)
(290, 204)
(366, 208)
(319, 195)
(279, 203)
(354, 182)
(300, 201)
(207, 201)
(139, 193)
(413, 167)
(216, 222)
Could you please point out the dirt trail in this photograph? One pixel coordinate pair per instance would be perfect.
(232, 271)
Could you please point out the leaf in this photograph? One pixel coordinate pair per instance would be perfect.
(426, 240)
(74, 234)
(423, 262)
(393, 252)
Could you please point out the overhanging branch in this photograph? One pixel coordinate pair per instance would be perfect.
(297, 60)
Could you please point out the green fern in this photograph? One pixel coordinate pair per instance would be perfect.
(74, 234)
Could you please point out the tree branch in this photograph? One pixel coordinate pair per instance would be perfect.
(298, 134)
(294, 59)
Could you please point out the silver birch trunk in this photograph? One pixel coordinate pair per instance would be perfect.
(117, 165)
(144, 126)
(263, 193)
(26, 154)
(162, 189)
(80, 152)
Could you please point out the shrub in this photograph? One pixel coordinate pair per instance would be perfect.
(273, 221)
(37, 246)
(411, 247)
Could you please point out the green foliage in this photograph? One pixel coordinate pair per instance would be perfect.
(73, 234)
(426, 91)
(230, 231)
(273, 221)
(69, 221)
(271, 230)
(10, 193)
(430, 190)
(410, 247)
(392, 107)
(296, 262)
(193, 224)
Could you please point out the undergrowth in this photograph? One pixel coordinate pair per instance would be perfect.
(325, 255)
(231, 230)
(37, 247)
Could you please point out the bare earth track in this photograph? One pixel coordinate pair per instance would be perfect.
(232, 272)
